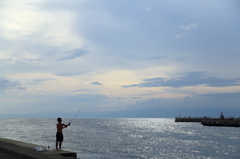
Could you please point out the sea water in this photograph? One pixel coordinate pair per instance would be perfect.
(143, 138)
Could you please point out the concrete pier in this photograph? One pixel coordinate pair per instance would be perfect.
(221, 122)
(22, 150)
(194, 119)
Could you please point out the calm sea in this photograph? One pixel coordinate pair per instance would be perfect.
(129, 138)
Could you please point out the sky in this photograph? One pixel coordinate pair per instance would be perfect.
(123, 59)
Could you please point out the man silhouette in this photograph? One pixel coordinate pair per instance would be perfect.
(59, 134)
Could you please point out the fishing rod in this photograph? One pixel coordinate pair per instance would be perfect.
(78, 111)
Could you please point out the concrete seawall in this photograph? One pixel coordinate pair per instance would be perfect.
(221, 122)
(188, 119)
(23, 150)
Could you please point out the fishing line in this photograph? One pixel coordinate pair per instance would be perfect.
(78, 111)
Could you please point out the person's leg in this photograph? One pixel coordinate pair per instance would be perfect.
(60, 144)
(56, 144)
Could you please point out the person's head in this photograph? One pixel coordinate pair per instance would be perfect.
(59, 120)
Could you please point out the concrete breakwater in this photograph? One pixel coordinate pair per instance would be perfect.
(189, 119)
(221, 122)
(228, 122)
(23, 150)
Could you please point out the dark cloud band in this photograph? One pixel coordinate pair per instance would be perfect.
(188, 79)
(8, 84)
(73, 54)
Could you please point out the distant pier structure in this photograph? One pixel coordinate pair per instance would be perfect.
(232, 122)
(188, 119)
(222, 121)
(207, 121)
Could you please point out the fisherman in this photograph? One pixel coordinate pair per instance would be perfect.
(59, 134)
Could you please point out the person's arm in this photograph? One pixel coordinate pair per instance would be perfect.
(64, 125)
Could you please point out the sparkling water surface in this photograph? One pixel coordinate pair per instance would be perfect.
(143, 138)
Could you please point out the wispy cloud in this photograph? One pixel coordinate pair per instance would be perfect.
(189, 26)
(155, 57)
(84, 90)
(8, 84)
(20, 60)
(189, 79)
(6, 60)
(145, 58)
(179, 35)
(73, 54)
(65, 74)
(42, 80)
(96, 83)
(27, 61)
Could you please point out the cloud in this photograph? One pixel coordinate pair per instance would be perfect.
(71, 74)
(96, 83)
(39, 80)
(145, 58)
(42, 80)
(8, 84)
(27, 61)
(211, 105)
(155, 57)
(189, 26)
(189, 79)
(179, 35)
(84, 90)
(6, 60)
(73, 54)
(22, 61)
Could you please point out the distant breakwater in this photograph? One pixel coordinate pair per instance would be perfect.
(189, 119)
(227, 122)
